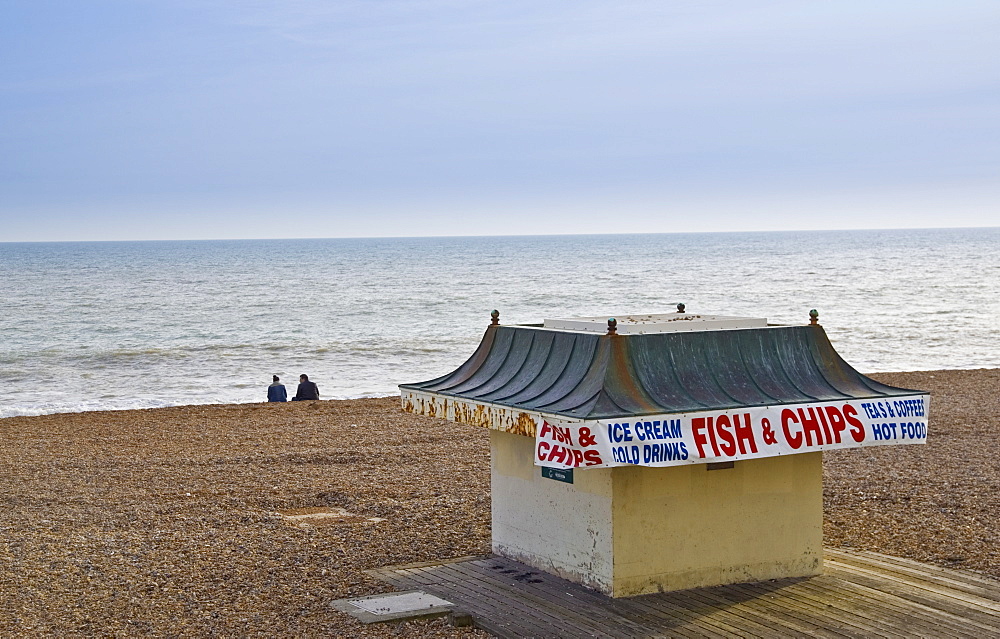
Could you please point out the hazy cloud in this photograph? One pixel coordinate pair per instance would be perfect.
(474, 109)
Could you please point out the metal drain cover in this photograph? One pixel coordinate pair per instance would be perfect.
(394, 606)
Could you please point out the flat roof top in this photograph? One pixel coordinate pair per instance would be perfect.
(655, 323)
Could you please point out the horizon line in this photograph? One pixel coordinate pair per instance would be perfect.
(498, 235)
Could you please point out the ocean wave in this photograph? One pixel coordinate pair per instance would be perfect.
(364, 316)
(361, 346)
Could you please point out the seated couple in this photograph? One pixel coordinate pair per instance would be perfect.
(306, 390)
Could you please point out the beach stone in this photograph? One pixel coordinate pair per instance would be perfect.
(99, 536)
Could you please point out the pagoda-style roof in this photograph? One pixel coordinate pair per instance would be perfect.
(584, 375)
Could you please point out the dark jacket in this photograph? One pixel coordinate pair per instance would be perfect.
(277, 393)
(306, 390)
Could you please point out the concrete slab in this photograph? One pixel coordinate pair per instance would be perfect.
(394, 606)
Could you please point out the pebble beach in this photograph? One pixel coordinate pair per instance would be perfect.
(249, 519)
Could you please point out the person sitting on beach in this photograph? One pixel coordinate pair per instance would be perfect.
(306, 390)
(276, 391)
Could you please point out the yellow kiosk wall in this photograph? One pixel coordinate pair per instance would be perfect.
(634, 530)
(686, 526)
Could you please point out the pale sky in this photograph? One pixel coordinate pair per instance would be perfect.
(192, 119)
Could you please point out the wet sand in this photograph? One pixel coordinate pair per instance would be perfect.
(186, 521)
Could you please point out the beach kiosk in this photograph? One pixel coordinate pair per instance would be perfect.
(662, 452)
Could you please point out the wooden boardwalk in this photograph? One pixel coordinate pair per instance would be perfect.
(861, 594)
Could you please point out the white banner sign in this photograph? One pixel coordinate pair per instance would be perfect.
(727, 435)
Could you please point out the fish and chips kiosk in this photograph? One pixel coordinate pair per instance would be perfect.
(661, 452)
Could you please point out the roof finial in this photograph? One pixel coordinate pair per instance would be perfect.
(680, 307)
(813, 317)
(612, 326)
(496, 317)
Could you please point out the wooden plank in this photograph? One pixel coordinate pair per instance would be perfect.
(840, 611)
(484, 582)
(790, 602)
(961, 576)
(566, 616)
(758, 622)
(746, 621)
(914, 620)
(860, 596)
(908, 618)
(510, 604)
(488, 614)
(518, 613)
(708, 613)
(629, 621)
(942, 578)
(921, 598)
(953, 579)
(848, 603)
(834, 600)
(943, 597)
(528, 603)
(682, 622)
(777, 607)
(573, 593)
(925, 614)
(910, 614)
(694, 619)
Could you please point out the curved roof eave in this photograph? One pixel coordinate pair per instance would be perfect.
(591, 376)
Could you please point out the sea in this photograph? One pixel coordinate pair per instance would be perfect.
(126, 325)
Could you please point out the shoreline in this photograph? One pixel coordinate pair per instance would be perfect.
(364, 396)
(176, 520)
(379, 395)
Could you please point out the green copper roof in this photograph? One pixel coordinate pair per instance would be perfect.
(593, 376)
